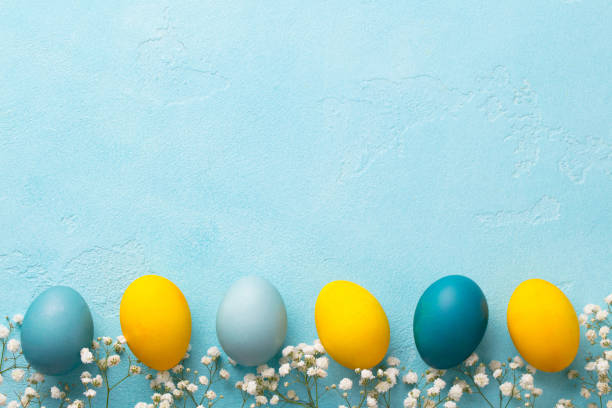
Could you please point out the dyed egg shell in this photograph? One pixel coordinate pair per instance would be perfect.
(352, 325)
(56, 327)
(450, 321)
(543, 325)
(251, 321)
(156, 321)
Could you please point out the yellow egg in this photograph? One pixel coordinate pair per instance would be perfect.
(543, 325)
(352, 325)
(156, 321)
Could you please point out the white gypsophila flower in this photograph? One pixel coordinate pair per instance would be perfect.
(267, 372)
(13, 345)
(213, 352)
(526, 381)
(590, 366)
(604, 343)
(393, 361)
(537, 391)
(203, 380)
(603, 387)
(36, 378)
(602, 366)
(450, 404)
(13, 404)
(585, 393)
(410, 402)
(90, 393)
(287, 351)
(261, 400)
(604, 331)
(367, 375)
(135, 369)
(506, 388)
(583, 319)
(410, 377)
(274, 400)
(17, 374)
(345, 384)
(322, 362)
(113, 361)
(224, 374)
(206, 360)
(55, 392)
(608, 355)
(371, 402)
(440, 383)
(572, 374)
(433, 391)
(518, 361)
(455, 392)
(608, 299)
(4, 331)
(107, 340)
(382, 387)
(2, 399)
(121, 339)
(251, 387)
(284, 369)
(497, 373)
(471, 360)
(86, 356)
(97, 381)
(177, 369)
(210, 395)
(192, 388)
(601, 315)
(18, 318)
(481, 380)
(591, 308)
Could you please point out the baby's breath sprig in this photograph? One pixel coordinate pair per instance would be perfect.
(180, 385)
(374, 388)
(427, 390)
(514, 380)
(595, 384)
(104, 354)
(302, 366)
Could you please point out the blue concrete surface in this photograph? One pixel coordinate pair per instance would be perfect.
(387, 143)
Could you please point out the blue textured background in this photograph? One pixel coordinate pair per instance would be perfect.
(388, 143)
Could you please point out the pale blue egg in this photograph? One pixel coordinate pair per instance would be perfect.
(56, 327)
(252, 321)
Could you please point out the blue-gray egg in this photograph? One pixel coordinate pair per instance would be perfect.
(252, 321)
(56, 327)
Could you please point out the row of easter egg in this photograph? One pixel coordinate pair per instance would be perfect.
(449, 322)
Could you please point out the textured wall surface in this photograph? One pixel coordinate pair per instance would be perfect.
(388, 143)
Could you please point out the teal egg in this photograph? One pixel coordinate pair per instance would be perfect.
(55, 328)
(450, 321)
(251, 321)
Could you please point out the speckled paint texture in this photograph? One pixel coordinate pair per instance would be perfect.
(387, 143)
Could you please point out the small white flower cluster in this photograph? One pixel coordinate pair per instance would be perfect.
(303, 364)
(596, 382)
(375, 385)
(104, 354)
(513, 378)
(427, 390)
(180, 385)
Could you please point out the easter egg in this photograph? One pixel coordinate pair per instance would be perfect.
(55, 328)
(251, 321)
(156, 321)
(352, 325)
(449, 321)
(543, 325)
